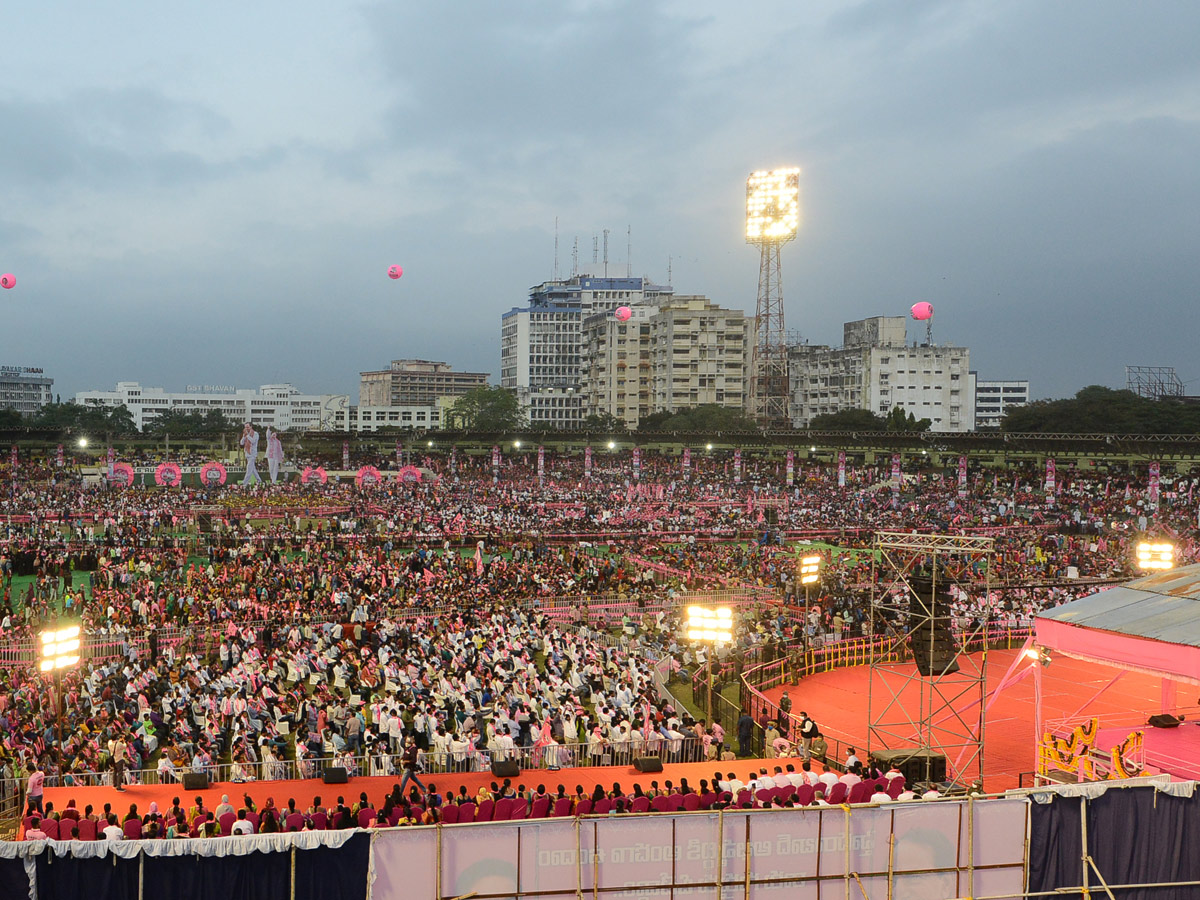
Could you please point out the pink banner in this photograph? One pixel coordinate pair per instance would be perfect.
(791, 468)
(587, 462)
(1050, 480)
(841, 468)
(112, 461)
(14, 456)
(897, 477)
(345, 454)
(637, 463)
(962, 476)
(737, 466)
(1152, 492)
(399, 454)
(453, 460)
(495, 464)
(687, 463)
(60, 456)
(541, 462)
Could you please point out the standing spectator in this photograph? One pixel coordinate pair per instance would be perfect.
(35, 790)
(745, 729)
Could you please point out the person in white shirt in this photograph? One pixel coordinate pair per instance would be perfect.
(931, 794)
(880, 796)
(242, 825)
(892, 774)
(796, 779)
(906, 795)
(113, 831)
(851, 759)
(828, 778)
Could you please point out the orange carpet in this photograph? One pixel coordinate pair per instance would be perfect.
(837, 700)
(375, 788)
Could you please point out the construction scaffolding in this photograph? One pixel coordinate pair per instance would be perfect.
(929, 708)
(1154, 382)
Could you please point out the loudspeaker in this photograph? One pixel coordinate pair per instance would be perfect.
(195, 781)
(933, 648)
(1164, 720)
(204, 523)
(915, 765)
(336, 775)
(506, 768)
(648, 764)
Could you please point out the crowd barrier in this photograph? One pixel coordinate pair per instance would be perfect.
(956, 848)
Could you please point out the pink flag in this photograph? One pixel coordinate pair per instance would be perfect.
(429, 576)
(478, 561)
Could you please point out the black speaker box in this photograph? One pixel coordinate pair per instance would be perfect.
(933, 647)
(916, 765)
(336, 775)
(506, 768)
(204, 522)
(1163, 720)
(195, 781)
(648, 764)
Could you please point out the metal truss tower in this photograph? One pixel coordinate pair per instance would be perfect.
(927, 690)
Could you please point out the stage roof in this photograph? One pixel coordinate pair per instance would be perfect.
(1151, 624)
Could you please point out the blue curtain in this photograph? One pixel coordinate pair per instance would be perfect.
(253, 877)
(66, 878)
(13, 880)
(340, 874)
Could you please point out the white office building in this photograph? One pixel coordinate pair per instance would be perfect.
(377, 418)
(677, 353)
(540, 343)
(995, 398)
(281, 406)
(876, 369)
(25, 389)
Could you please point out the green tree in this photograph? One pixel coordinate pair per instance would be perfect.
(10, 418)
(1102, 410)
(709, 417)
(487, 409)
(848, 420)
(178, 422)
(603, 422)
(899, 420)
(93, 418)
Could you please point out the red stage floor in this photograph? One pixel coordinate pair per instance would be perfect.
(837, 700)
(375, 788)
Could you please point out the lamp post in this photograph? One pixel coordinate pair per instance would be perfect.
(58, 650)
(1151, 555)
(810, 574)
(711, 626)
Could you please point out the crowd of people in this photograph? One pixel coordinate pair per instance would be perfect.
(416, 629)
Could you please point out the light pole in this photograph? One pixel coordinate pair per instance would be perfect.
(810, 574)
(1155, 555)
(711, 626)
(59, 649)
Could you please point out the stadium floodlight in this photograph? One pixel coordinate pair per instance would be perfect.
(612, 445)
(772, 206)
(810, 569)
(59, 649)
(705, 624)
(83, 442)
(1157, 555)
(516, 445)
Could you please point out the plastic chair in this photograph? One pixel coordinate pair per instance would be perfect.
(562, 808)
(602, 807)
(640, 804)
(27, 823)
(837, 794)
(708, 799)
(450, 814)
(50, 826)
(674, 802)
(691, 802)
(584, 807)
(895, 788)
(503, 809)
(743, 798)
(485, 811)
(861, 792)
(466, 813)
(520, 810)
(132, 829)
(764, 797)
(320, 821)
(253, 819)
(294, 822)
(71, 813)
(804, 795)
(226, 822)
(366, 816)
(541, 808)
(394, 816)
(87, 830)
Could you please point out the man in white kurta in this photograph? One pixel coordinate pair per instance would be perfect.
(274, 453)
(250, 446)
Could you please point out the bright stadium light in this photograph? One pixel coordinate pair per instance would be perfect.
(83, 442)
(612, 445)
(710, 624)
(1160, 555)
(59, 649)
(517, 445)
(772, 206)
(810, 569)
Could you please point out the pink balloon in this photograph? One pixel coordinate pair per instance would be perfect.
(922, 311)
(395, 272)
(623, 313)
(8, 280)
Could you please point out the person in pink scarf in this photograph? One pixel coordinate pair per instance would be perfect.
(274, 453)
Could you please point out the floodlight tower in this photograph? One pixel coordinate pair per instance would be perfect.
(772, 218)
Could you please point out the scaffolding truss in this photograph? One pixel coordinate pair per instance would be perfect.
(1154, 382)
(942, 712)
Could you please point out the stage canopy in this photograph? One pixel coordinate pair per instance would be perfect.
(1150, 624)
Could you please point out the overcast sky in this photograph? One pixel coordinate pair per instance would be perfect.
(212, 192)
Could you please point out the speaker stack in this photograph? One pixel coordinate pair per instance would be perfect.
(934, 649)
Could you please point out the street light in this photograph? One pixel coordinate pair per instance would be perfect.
(1158, 555)
(810, 574)
(58, 650)
(712, 626)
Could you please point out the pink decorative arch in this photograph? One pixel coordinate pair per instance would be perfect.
(122, 475)
(313, 475)
(409, 475)
(168, 474)
(212, 474)
(368, 476)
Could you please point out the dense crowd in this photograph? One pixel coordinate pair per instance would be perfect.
(409, 629)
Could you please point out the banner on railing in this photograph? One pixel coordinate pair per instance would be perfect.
(1051, 477)
(345, 454)
(59, 455)
(897, 475)
(453, 460)
(399, 456)
(791, 468)
(841, 468)
(1152, 492)
(587, 462)
(495, 464)
(541, 463)
(637, 463)
(962, 476)
(687, 463)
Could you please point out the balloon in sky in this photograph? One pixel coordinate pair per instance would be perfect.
(623, 313)
(395, 272)
(8, 280)
(922, 311)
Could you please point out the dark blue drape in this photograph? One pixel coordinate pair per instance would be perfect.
(339, 874)
(13, 880)
(66, 878)
(251, 877)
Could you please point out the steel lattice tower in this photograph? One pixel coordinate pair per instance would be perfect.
(772, 217)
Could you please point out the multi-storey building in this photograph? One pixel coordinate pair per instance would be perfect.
(377, 418)
(995, 398)
(540, 343)
(281, 406)
(24, 389)
(676, 354)
(876, 369)
(415, 382)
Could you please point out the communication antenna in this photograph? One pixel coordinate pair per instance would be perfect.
(595, 249)
(605, 252)
(628, 251)
(575, 258)
(669, 271)
(556, 248)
